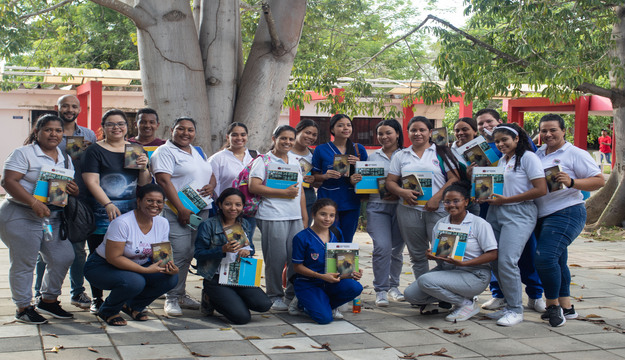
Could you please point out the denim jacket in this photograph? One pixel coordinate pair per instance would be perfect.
(210, 238)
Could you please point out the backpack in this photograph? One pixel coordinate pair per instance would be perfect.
(77, 219)
(241, 182)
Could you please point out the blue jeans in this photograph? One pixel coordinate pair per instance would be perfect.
(76, 274)
(135, 290)
(607, 157)
(555, 233)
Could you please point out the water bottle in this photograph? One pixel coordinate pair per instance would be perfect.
(356, 305)
(46, 228)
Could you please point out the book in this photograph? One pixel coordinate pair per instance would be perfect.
(241, 272)
(235, 232)
(440, 137)
(131, 154)
(46, 173)
(149, 150)
(57, 192)
(451, 241)
(486, 181)
(420, 181)
(191, 199)
(281, 176)
(341, 164)
(342, 258)
(478, 151)
(550, 176)
(306, 168)
(74, 146)
(162, 251)
(382, 188)
(371, 171)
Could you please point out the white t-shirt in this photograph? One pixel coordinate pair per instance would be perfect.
(277, 208)
(457, 153)
(226, 167)
(519, 181)
(138, 245)
(28, 160)
(578, 164)
(406, 160)
(481, 236)
(380, 156)
(182, 166)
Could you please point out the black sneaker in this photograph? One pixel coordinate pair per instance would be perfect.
(556, 315)
(205, 306)
(95, 305)
(569, 314)
(53, 309)
(30, 316)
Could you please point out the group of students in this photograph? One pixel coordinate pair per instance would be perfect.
(131, 214)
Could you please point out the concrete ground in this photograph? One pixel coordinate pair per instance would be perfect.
(395, 332)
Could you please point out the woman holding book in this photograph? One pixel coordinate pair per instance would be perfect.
(457, 280)
(281, 213)
(21, 217)
(177, 164)
(320, 293)
(213, 246)
(112, 187)
(382, 223)
(306, 135)
(124, 262)
(437, 166)
(465, 130)
(513, 214)
(561, 214)
(336, 185)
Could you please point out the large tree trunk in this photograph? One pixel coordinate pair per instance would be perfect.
(220, 40)
(267, 70)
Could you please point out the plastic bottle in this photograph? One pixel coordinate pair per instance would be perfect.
(356, 305)
(46, 228)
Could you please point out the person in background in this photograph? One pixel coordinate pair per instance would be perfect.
(605, 146)
(21, 221)
(465, 130)
(147, 125)
(306, 135)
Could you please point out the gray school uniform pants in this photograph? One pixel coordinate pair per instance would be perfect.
(416, 231)
(512, 225)
(20, 230)
(388, 245)
(277, 245)
(182, 240)
(449, 283)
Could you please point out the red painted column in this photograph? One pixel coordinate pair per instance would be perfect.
(90, 97)
(515, 116)
(408, 114)
(580, 137)
(294, 116)
(465, 110)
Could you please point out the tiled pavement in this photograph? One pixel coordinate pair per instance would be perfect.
(389, 333)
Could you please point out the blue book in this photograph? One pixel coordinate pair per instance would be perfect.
(451, 241)
(371, 171)
(46, 173)
(478, 151)
(241, 272)
(424, 179)
(191, 199)
(486, 182)
(281, 176)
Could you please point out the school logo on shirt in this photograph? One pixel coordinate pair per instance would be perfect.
(435, 162)
(556, 161)
(314, 256)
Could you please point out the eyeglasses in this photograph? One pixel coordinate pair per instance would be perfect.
(111, 125)
(454, 201)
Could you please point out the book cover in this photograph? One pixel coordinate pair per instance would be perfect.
(74, 146)
(131, 154)
(306, 168)
(162, 251)
(420, 181)
(241, 272)
(341, 258)
(440, 137)
(384, 193)
(479, 152)
(451, 241)
(46, 173)
(281, 176)
(486, 181)
(191, 199)
(235, 233)
(550, 176)
(57, 192)
(371, 171)
(341, 164)
(149, 150)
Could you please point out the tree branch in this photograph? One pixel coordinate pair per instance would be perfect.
(140, 17)
(597, 90)
(276, 44)
(26, 16)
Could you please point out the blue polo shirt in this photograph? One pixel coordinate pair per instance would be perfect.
(310, 250)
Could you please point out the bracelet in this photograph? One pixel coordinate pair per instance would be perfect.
(108, 203)
(33, 203)
(572, 183)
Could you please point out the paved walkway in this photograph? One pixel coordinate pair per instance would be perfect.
(397, 331)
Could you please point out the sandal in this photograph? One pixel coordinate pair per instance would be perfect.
(115, 320)
(137, 316)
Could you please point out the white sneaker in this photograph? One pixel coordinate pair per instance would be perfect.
(294, 307)
(279, 305)
(396, 295)
(187, 302)
(336, 314)
(462, 313)
(538, 305)
(172, 308)
(494, 304)
(381, 299)
(510, 318)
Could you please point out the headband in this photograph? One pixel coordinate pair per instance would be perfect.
(510, 128)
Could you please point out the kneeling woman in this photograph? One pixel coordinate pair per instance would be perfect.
(318, 292)
(454, 281)
(123, 264)
(212, 247)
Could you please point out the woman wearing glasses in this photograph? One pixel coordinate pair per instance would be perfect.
(112, 187)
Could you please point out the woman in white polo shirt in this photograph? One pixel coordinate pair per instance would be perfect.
(561, 215)
(281, 215)
(176, 164)
(415, 220)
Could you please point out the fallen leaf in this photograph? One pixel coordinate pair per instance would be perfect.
(56, 349)
(289, 347)
(198, 287)
(225, 329)
(456, 331)
(266, 316)
(323, 346)
(433, 328)
(408, 273)
(198, 354)
(145, 343)
(592, 316)
(53, 335)
(574, 265)
(289, 333)
(251, 338)
(386, 347)
(92, 349)
(101, 358)
(606, 328)
(440, 352)
(408, 356)
(10, 322)
(584, 286)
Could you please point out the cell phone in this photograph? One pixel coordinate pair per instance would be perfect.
(194, 221)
